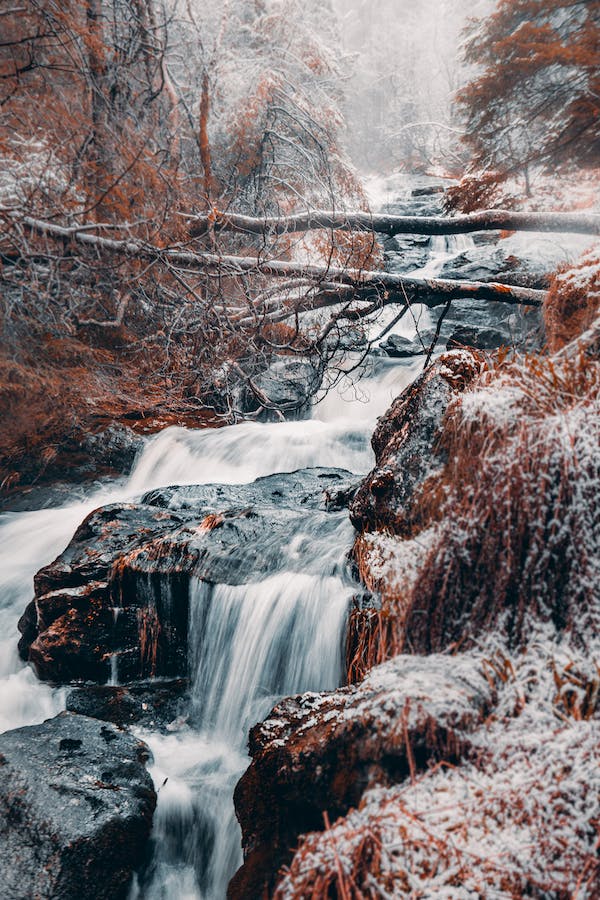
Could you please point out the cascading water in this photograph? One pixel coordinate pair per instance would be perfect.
(253, 643)
(259, 641)
(443, 249)
(249, 644)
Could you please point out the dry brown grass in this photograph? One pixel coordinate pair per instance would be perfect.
(517, 519)
(518, 538)
(519, 817)
(375, 633)
(60, 389)
(573, 300)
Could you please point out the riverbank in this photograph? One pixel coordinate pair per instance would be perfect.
(193, 609)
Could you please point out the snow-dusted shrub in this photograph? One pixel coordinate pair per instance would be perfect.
(521, 819)
(520, 536)
(511, 522)
(573, 300)
(389, 567)
(32, 177)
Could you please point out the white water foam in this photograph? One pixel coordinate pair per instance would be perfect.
(250, 644)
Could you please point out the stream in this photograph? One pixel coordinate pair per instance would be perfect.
(281, 635)
(249, 644)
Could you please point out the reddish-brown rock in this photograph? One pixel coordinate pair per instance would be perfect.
(318, 753)
(116, 601)
(406, 449)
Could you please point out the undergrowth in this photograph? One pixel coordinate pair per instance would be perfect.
(519, 818)
(573, 301)
(512, 520)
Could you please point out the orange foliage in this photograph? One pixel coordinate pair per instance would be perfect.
(351, 249)
(573, 301)
(534, 103)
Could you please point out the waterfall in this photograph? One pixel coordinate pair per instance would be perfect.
(443, 249)
(250, 644)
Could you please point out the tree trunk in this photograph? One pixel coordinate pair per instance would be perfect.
(204, 141)
(487, 220)
(99, 158)
(391, 288)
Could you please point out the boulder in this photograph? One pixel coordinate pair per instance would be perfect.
(495, 262)
(76, 806)
(115, 448)
(481, 339)
(115, 603)
(155, 704)
(318, 753)
(406, 448)
(428, 190)
(288, 385)
(403, 253)
(400, 347)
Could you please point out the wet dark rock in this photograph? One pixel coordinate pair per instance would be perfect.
(515, 327)
(426, 198)
(114, 448)
(151, 704)
(318, 753)
(116, 601)
(309, 488)
(481, 339)
(490, 262)
(76, 806)
(288, 385)
(348, 337)
(406, 258)
(400, 347)
(49, 496)
(267, 392)
(406, 448)
(428, 190)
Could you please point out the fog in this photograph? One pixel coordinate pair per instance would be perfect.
(403, 64)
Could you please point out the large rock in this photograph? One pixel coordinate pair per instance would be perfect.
(283, 388)
(76, 806)
(157, 704)
(406, 449)
(480, 338)
(400, 347)
(288, 385)
(497, 263)
(113, 449)
(116, 601)
(318, 753)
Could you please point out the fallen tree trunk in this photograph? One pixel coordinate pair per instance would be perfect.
(394, 288)
(486, 220)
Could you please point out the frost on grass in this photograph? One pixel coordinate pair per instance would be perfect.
(520, 819)
(510, 523)
(511, 571)
(421, 694)
(394, 563)
(573, 300)
(389, 566)
(31, 175)
(519, 540)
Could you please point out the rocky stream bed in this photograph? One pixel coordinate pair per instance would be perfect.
(211, 589)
